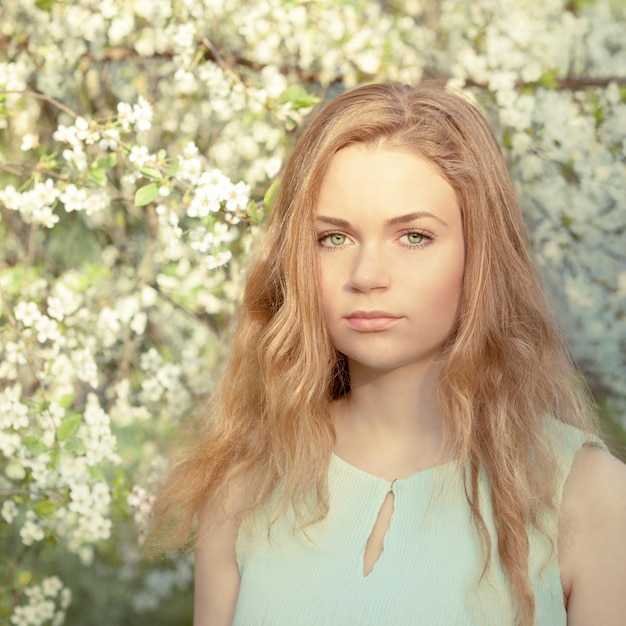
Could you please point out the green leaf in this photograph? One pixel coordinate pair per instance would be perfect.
(298, 97)
(15, 279)
(97, 176)
(151, 173)
(67, 400)
(97, 473)
(69, 427)
(49, 161)
(106, 162)
(252, 211)
(75, 448)
(45, 5)
(146, 194)
(270, 195)
(507, 139)
(599, 115)
(46, 508)
(35, 445)
(55, 457)
(173, 168)
(549, 80)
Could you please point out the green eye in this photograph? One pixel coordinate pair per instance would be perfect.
(415, 238)
(336, 239)
(332, 240)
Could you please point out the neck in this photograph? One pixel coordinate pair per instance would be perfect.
(390, 422)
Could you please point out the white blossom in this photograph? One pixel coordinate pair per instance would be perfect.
(9, 511)
(31, 531)
(51, 586)
(29, 142)
(27, 312)
(47, 329)
(10, 443)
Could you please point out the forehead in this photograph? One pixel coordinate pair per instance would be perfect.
(383, 181)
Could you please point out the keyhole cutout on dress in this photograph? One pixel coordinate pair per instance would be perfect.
(375, 542)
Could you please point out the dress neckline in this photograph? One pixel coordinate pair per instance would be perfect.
(429, 471)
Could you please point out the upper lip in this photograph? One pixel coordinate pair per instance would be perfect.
(370, 314)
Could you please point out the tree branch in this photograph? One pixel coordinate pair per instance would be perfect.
(40, 96)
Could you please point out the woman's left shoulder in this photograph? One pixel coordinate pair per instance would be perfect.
(596, 478)
(592, 538)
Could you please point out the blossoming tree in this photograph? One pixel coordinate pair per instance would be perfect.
(139, 145)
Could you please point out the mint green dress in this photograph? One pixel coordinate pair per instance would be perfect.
(428, 572)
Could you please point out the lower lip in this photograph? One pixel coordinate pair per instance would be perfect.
(371, 324)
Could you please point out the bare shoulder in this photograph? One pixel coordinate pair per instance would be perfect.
(596, 478)
(592, 539)
(216, 573)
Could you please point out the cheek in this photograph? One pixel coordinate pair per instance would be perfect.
(327, 281)
(450, 294)
(328, 303)
(324, 294)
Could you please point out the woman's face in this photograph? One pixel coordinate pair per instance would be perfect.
(391, 257)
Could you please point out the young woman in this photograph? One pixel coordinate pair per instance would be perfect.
(399, 437)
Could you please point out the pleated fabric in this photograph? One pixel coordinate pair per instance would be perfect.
(428, 572)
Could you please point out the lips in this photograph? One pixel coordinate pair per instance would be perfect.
(371, 321)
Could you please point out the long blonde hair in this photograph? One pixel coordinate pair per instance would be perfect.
(507, 366)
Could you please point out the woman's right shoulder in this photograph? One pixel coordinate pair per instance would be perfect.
(216, 572)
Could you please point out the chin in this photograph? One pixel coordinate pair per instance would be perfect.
(393, 364)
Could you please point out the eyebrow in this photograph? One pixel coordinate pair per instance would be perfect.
(393, 221)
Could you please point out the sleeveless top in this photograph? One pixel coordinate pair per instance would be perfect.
(428, 572)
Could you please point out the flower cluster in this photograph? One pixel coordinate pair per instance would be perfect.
(35, 205)
(46, 604)
(55, 457)
(141, 502)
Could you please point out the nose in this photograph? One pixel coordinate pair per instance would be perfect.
(369, 271)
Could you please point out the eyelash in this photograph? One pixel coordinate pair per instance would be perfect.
(322, 236)
(427, 238)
